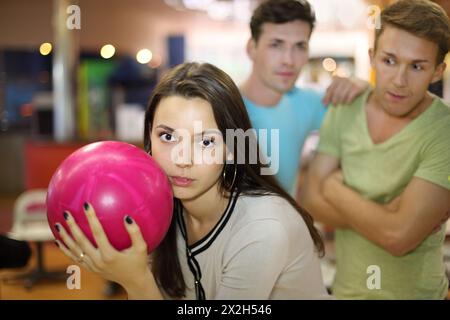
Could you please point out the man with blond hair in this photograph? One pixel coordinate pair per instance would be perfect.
(382, 172)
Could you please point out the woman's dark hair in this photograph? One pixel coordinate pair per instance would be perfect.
(281, 11)
(205, 81)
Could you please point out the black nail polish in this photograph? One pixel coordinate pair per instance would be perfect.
(57, 244)
(57, 227)
(129, 220)
(86, 206)
(65, 215)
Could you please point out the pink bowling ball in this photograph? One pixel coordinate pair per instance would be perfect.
(117, 179)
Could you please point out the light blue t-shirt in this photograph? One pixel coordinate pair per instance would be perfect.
(299, 112)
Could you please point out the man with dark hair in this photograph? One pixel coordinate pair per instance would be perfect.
(279, 48)
(391, 199)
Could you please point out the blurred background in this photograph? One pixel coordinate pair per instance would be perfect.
(73, 72)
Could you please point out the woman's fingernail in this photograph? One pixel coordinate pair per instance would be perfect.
(129, 220)
(57, 228)
(65, 215)
(57, 244)
(86, 206)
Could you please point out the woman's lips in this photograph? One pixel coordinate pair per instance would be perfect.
(181, 181)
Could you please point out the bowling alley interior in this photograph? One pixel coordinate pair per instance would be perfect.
(82, 71)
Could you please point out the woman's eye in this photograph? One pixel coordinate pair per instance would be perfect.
(417, 67)
(167, 137)
(207, 143)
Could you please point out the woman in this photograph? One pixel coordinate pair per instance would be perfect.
(235, 234)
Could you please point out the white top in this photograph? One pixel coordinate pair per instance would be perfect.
(260, 249)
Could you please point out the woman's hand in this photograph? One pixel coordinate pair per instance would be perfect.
(128, 267)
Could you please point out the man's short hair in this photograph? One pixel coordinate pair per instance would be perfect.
(281, 11)
(422, 18)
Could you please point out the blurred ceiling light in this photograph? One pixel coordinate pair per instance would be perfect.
(107, 51)
(329, 64)
(144, 56)
(45, 48)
